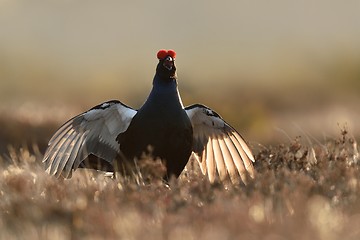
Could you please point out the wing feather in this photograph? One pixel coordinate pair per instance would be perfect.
(61, 132)
(54, 147)
(67, 150)
(92, 132)
(74, 155)
(202, 162)
(244, 156)
(210, 163)
(83, 152)
(59, 152)
(74, 152)
(218, 147)
(219, 160)
(231, 169)
(244, 146)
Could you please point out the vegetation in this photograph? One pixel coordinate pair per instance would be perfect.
(301, 191)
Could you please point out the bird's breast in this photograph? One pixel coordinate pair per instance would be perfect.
(165, 132)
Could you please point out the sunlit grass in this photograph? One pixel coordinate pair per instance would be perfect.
(301, 191)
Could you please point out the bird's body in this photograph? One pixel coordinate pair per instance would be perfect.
(162, 128)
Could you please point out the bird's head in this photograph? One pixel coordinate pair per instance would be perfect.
(166, 67)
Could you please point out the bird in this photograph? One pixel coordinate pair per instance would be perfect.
(118, 135)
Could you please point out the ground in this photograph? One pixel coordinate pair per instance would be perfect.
(301, 191)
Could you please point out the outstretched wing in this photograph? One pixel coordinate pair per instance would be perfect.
(218, 146)
(92, 132)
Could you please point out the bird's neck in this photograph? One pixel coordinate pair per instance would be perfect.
(165, 91)
(164, 84)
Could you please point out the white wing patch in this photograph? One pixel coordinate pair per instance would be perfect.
(218, 147)
(92, 132)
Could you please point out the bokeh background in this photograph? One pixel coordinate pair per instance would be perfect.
(273, 69)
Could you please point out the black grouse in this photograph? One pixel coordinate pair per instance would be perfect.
(119, 135)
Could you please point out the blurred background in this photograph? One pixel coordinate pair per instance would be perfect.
(272, 69)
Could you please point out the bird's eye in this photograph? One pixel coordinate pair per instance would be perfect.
(168, 63)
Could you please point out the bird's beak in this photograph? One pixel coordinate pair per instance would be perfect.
(168, 63)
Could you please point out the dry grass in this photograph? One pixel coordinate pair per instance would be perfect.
(300, 192)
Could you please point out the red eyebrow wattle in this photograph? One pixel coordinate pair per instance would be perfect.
(162, 53)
